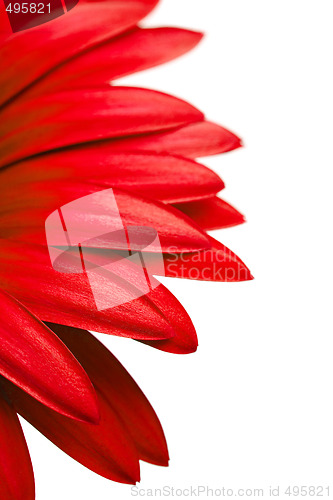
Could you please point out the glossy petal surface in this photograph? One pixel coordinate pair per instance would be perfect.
(33, 357)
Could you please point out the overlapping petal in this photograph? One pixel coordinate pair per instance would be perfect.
(66, 298)
(147, 174)
(121, 392)
(42, 48)
(195, 140)
(212, 213)
(106, 448)
(128, 430)
(78, 116)
(29, 350)
(133, 51)
(175, 230)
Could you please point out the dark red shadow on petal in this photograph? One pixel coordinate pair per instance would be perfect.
(212, 213)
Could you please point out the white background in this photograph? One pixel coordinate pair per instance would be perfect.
(253, 407)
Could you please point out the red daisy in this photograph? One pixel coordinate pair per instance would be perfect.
(67, 133)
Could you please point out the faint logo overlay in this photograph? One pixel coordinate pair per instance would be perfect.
(23, 15)
(119, 263)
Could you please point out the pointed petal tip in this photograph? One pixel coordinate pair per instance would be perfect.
(132, 478)
(92, 414)
(87, 411)
(197, 36)
(236, 143)
(159, 455)
(237, 220)
(244, 274)
(137, 477)
(173, 346)
(163, 463)
(189, 348)
(161, 460)
(225, 140)
(192, 348)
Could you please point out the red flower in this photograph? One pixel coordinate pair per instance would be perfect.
(66, 133)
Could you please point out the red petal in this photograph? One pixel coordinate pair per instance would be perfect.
(185, 341)
(216, 264)
(173, 231)
(212, 213)
(26, 272)
(16, 474)
(33, 358)
(5, 28)
(133, 51)
(105, 448)
(162, 177)
(42, 48)
(192, 141)
(120, 391)
(73, 117)
(177, 233)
